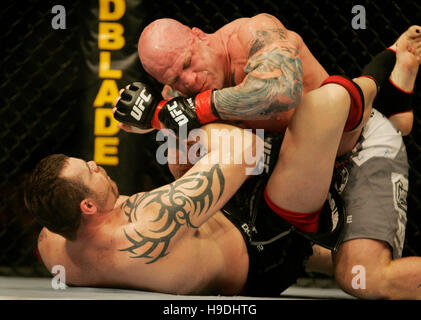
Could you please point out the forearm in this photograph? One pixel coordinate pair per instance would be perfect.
(233, 154)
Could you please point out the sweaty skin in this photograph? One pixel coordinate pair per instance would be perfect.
(172, 239)
(260, 69)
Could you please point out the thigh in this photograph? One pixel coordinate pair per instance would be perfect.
(375, 186)
(302, 175)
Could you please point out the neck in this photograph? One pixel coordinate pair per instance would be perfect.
(221, 49)
(94, 223)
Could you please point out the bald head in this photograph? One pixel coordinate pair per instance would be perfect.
(160, 41)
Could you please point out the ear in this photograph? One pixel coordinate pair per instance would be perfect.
(87, 206)
(199, 33)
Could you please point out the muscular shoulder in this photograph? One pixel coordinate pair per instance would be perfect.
(264, 20)
(48, 244)
(264, 25)
(47, 238)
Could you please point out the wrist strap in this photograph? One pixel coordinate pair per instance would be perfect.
(155, 123)
(205, 110)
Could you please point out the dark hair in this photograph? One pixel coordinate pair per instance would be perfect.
(55, 201)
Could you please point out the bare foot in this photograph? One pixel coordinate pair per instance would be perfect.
(409, 39)
(408, 59)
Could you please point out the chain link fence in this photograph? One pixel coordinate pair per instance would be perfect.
(40, 90)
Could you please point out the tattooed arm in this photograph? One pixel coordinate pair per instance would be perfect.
(159, 218)
(273, 82)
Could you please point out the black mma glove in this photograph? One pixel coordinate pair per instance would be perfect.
(137, 106)
(190, 112)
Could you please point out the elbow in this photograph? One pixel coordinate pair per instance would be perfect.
(288, 96)
(296, 93)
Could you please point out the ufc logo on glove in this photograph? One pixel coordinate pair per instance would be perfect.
(177, 114)
(138, 107)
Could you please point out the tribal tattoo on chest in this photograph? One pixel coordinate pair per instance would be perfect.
(157, 216)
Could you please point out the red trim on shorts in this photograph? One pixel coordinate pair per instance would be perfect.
(156, 124)
(308, 222)
(356, 110)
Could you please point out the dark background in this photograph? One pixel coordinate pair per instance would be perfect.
(48, 87)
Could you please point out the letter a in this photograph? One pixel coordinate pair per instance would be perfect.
(59, 280)
(358, 282)
(59, 20)
(358, 22)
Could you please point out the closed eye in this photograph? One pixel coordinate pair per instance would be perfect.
(89, 168)
(187, 62)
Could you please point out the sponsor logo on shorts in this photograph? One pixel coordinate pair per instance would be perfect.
(400, 193)
(349, 218)
(267, 152)
(341, 180)
(247, 230)
(334, 211)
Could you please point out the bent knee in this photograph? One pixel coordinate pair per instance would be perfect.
(362, 277)
(335, 96)
(360, 282)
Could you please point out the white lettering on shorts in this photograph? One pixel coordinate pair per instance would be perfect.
(342, 180)
(400, 192)
(334, 211)
(349, 218)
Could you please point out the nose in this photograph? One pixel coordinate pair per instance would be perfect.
(93, 166)
(189, 79)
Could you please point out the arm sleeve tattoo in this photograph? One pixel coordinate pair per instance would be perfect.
(178, 204)
(273, 82)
